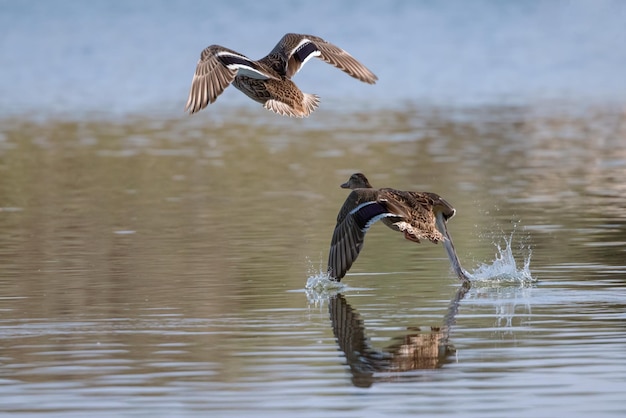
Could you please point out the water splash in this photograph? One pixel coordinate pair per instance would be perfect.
(320, 287)
(504, 269)
(322, 282)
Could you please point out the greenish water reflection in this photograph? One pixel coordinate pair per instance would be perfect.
(175, 252)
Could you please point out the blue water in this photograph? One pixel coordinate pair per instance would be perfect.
(138, 56)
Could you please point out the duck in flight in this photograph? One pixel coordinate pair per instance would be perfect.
(418, 215)
(268, 80)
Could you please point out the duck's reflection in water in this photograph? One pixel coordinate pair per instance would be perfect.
(422, 348)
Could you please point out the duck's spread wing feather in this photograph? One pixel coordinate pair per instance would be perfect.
(300, 48)
(216, 70)
(344, 61)
(360, 210)
(211, 78)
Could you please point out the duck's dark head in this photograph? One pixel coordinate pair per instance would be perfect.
(357, 181)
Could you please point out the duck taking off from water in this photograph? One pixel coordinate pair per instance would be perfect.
(268, 80)
(419, 215)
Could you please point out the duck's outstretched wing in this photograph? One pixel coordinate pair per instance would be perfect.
(360, 210)
(298, 49)
(216, 70)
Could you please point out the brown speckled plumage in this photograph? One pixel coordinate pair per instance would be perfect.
(268, 80)
(419, 215)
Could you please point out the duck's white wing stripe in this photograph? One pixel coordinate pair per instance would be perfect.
(368, 213)
(374, 220)
(242, 64)
(304, 52)
(361, 206)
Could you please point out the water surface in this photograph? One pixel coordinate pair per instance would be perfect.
(153, 263)
(159, 266)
